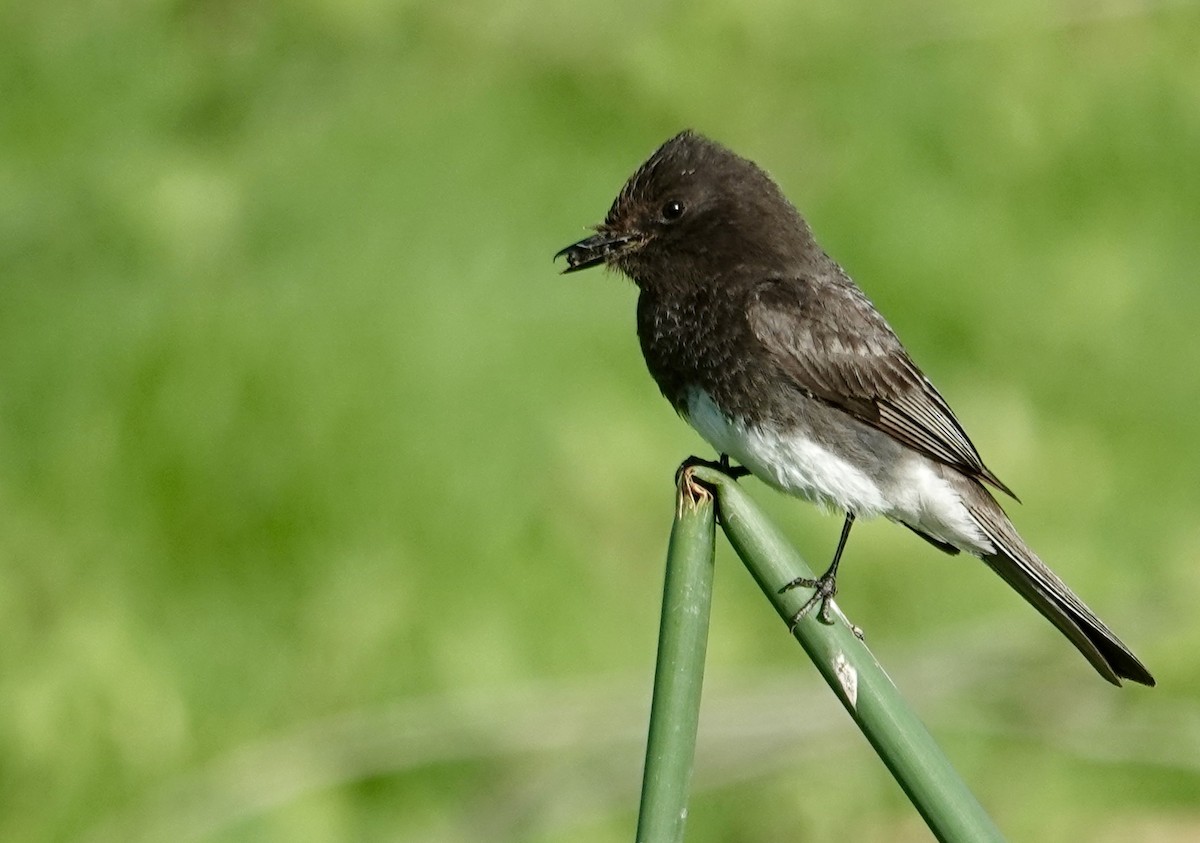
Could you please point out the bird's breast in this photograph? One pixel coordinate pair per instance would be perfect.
(699, 339)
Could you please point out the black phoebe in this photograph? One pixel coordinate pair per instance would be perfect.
(769, 350)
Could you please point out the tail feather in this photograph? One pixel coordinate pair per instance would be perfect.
(1020, 567)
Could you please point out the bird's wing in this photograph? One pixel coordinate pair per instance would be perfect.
(836, 347)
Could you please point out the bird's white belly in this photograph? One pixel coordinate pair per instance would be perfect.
(788, 460)
(912, 491)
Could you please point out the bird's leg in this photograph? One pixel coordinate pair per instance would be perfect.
(722, 465)
(734, 471)
(825, 586)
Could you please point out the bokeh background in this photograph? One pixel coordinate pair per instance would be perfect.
(330, 512)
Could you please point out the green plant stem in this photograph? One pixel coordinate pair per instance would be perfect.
(679, 670)
(901, 740)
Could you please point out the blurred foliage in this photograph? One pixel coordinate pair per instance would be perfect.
(330, 512)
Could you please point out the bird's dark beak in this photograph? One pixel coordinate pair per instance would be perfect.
(594, 250)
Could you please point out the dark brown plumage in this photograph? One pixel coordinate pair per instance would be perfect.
(765, 345)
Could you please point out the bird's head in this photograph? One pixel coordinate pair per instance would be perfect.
(691, 209)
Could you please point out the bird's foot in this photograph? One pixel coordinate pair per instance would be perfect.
(824, 588)
(722, 465)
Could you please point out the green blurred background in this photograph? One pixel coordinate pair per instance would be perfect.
(330, 512)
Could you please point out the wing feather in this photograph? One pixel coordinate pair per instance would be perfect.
(836, 347)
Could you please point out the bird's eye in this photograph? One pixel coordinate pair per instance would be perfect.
(672, 211)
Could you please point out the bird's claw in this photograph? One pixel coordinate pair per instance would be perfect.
(824, 589)
(722, 465)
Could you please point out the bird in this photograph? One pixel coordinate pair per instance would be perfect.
(772, 353)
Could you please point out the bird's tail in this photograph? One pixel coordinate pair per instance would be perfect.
(1020, 567)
